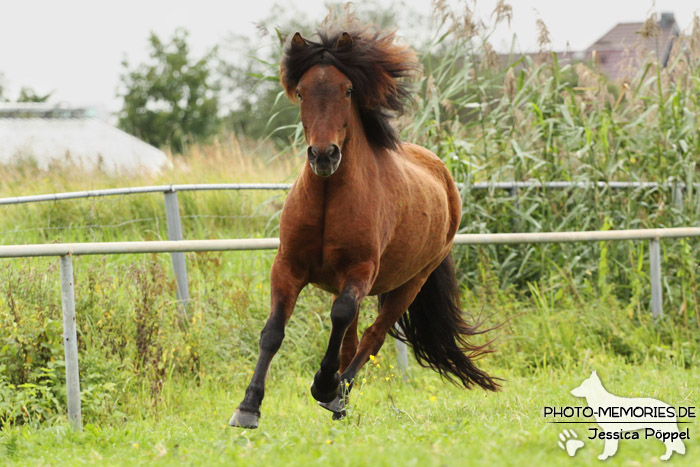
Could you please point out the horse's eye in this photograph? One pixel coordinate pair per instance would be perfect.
(299, 95)
(348, 93)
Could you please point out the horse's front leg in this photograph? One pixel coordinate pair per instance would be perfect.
(357, 284)
(349, 347)
(285, 288)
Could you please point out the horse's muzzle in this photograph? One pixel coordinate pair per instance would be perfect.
(324, 160)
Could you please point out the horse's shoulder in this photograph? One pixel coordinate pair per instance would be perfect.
(423, 157)
(418, 151)
(427, 159)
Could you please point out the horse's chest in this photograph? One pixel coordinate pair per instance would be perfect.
(334, 253)
(329, 235)
(329, 250)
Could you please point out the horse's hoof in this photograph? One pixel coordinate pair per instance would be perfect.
(324, 396)
(337, 406)
(243, 419)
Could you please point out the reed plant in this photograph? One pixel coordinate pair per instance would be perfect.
(530, 117)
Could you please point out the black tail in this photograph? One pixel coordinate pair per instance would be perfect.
(435, 327)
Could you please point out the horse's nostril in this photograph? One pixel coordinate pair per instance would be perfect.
(311, 153)
(334, 151)
(316, 153)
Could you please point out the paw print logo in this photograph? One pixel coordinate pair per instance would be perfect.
(569, 442)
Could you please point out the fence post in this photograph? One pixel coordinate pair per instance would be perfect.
(70, 343)
(172, 215)
(514, 193)
(655, 274)
(678, 198)
(401, 353)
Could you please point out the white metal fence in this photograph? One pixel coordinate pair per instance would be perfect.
(66, 252)
(174, 222)
(177, 247)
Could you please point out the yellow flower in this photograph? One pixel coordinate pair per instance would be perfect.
(135, 445)
(432, 398)
(371, 357)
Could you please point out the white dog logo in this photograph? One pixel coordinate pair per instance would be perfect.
(621, 417)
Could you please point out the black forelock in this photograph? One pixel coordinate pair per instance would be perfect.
(374, 65)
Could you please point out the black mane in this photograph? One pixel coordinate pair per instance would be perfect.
(373, 63)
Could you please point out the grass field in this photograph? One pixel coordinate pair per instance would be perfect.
(421, 422)
(166, 397)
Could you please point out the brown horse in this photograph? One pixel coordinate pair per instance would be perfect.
(369, 215)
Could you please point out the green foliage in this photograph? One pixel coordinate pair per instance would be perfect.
(421, 422)
(536, 119)
(133, 353)
(172, 99)
(29, 95)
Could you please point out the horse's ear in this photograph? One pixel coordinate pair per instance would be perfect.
(344, 41)
(298, 42)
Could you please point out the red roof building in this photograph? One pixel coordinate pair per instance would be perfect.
(622, 50)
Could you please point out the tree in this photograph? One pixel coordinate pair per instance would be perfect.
(29, 95)
(26, 94)
(173, 99)
(2, 88)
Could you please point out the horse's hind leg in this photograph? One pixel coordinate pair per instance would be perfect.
(343, 315)
(394, 306)
(285, 288)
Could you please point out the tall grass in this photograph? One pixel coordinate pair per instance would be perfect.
(538, 119)
(219, 214)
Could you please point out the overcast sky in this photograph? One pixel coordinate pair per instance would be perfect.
(75, 47)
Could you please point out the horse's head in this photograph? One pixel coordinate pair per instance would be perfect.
(343, 82)
(325, 99)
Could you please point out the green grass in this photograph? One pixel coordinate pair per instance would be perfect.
(165, 396)
(421, 422)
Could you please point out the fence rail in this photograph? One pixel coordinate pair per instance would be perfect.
(182, 246)
(558, 185)
(174, 222)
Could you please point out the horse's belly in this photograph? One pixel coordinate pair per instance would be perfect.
(400, 265)
(323, 277)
